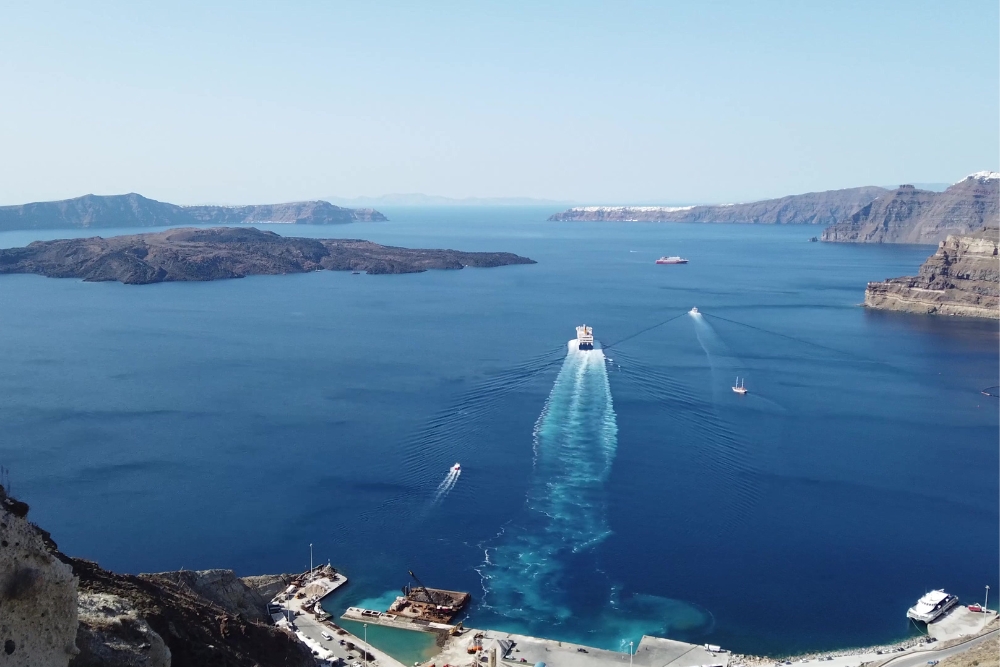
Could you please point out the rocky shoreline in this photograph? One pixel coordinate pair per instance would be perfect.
(194, 254)
(961, 279)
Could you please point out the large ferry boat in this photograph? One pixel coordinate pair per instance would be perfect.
(585, 337)
(931, 606)
(672, 260)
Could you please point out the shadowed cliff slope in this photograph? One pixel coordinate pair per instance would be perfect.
(910, 215)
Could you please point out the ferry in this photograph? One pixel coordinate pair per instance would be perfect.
(693, 311)
(672, 260)
(931, 606)
(739, 388)
(457, 468)
(585, 337)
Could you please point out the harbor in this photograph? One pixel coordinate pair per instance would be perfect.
(299, 609)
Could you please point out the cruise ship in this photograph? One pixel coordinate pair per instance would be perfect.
(585, 337)
(671, 260)
(931, 606)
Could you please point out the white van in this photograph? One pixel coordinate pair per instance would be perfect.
(327, 636)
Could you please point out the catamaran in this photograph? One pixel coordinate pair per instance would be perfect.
(739, 388)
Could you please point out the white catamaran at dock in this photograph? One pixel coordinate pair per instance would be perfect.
(931, 606)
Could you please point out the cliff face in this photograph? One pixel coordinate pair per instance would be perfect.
(226, 252)
(57, 611)
(909, 215)
(962, 278)
(133, 210)
(814, 208)
(38, 603)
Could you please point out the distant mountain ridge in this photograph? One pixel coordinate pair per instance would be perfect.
(910, 215)
(134, 210)
(420, 199)
(815, 208)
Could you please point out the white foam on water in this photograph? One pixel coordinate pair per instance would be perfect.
(575, 439)
(446, 485)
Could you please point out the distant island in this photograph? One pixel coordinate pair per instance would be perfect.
(133, 210)
(855, 215)
(420, 199)
(226, 252)
(962, 278)
(816, 208)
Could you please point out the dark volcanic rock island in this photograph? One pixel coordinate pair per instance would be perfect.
(226, 252)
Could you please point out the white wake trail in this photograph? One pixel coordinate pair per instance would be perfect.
(446, 485)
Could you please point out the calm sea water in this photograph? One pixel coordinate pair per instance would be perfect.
(602, 496)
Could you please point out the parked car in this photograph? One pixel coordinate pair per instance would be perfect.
(326, 635)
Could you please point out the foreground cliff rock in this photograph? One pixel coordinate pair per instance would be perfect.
(962, 278)
(226, 252)
(133, 210)
(813, 208)
(38, 603)
(57, 611)
(911, 215)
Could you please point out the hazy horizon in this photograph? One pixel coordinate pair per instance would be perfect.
(599, 104)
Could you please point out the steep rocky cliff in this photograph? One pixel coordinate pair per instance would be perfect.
(38, 602)
(962, 278)
(910, 215)
(57, 611)
(133, 210)
(813, 208)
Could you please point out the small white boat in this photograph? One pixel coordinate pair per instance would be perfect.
(694, 311)
(739, 388)
(456, 468)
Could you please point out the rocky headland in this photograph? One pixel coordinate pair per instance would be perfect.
(226, 252)
(911, 215)
(813, 208)
(962, 278)
(133, 210)
(61, 611)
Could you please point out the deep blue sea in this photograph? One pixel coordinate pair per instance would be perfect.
(602, 496)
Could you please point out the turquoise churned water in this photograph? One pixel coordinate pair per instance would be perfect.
(602, 495)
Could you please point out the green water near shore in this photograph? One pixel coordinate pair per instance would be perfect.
(407, 646)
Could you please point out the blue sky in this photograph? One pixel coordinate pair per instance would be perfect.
(619, 102)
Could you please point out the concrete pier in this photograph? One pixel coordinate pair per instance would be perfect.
(295, 608)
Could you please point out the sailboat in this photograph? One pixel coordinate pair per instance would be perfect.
(739, 388)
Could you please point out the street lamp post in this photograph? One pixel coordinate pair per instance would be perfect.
(985, 604)
(366, 645)
(310, 558)
(630, 653)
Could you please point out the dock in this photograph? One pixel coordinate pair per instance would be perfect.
(395, 620)
(504, 649)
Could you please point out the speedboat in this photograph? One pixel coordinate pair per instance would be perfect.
(456, 468)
